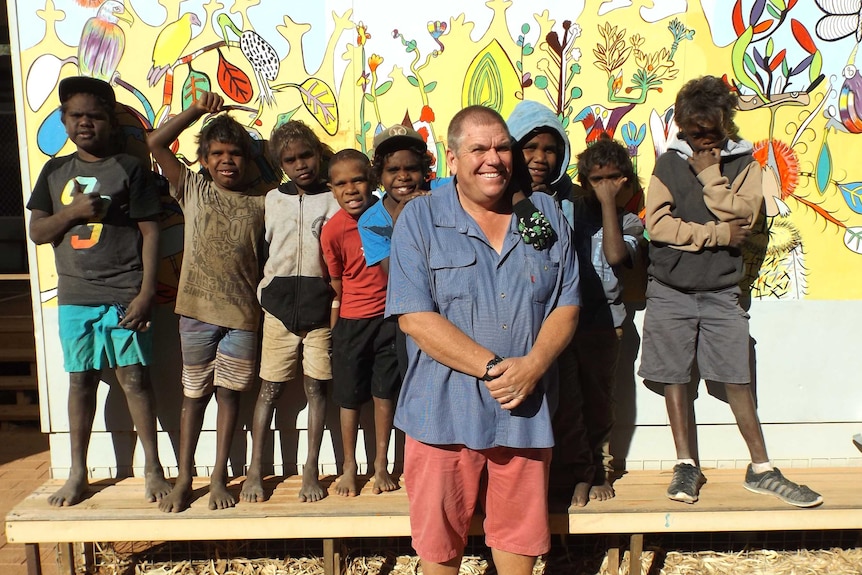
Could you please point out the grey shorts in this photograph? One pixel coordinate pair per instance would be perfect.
(680, 327)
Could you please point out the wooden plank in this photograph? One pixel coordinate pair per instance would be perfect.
(14, 277)
(21, 354)
(29, 412)
(18, 382)
(116, 511)
(636, 548)
(17, 324)
(34, 560)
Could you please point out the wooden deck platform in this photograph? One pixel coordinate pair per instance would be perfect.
(115, 511)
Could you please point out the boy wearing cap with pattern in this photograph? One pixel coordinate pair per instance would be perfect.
(98, 208)
(402, 167)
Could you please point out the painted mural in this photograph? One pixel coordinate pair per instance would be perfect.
(350, 68)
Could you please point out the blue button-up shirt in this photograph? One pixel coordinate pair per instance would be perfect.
(442, 262)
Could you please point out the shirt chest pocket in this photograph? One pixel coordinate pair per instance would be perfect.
(544, 268)
(454, 277)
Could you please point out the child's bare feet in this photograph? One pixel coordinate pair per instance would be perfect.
(155, 485)
(252, 488)
(71, 493)
(346, 486)
(178, 499)
(220, 497)
(311, 489)
(383, 482)
(581, 494)
(602, 492)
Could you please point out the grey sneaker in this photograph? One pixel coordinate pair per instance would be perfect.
(774, 483)
(686, 483)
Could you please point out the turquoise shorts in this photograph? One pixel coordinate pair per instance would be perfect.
(92, 339)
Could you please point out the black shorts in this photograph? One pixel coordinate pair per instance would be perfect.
(364, 361)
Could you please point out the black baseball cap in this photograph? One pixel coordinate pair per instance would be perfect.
(86, 85)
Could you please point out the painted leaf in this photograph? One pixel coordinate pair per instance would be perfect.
(413, 81)
(773, 12)
(816, 67)
(776, 62)
(738, 24)
(823, 169)
(763, 26)
(757, 10)
(51, 135)
(319, 99)
(41, 79)
(525, 28)
(284, 118)
(234, 82)
(853, 239)
(770, 47)
(802, 36)
(779, 4)
(528, 50)
(195, 84)
(852, 193)
(758, 57)
(491, 80)
(368, 97)
(429, 87)
(541, 82)
(740, 59)
(383, 88)
(800, 67)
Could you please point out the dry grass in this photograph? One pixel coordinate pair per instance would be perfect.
(836, 561)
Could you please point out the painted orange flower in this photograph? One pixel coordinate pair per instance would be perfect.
(374, 61)
(362, 34)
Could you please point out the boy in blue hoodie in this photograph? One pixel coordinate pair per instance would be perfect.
(704, 198)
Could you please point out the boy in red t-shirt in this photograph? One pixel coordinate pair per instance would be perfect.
(364, 362)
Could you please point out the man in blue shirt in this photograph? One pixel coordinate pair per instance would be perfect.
(486, 315)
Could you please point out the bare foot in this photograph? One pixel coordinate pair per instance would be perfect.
(346, 486)
(252, 488)
(581, 494)
(220, 497)
(602, 492)
(178, 499)
(311, 489)
(71, 493)
(383, 482)
(155, 486)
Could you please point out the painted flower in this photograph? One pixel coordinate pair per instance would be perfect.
(362, 34)
(374, 61)
(363, 80)
(436, 28)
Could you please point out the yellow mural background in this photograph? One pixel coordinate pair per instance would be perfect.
(452, 62)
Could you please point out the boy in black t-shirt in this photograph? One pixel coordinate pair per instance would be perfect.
(98, 208)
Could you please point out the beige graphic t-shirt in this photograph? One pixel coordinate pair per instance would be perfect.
(220, 271)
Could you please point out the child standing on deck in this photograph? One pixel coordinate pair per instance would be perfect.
(704, 198)
(216, 299)
(401, 167)
(607, 239)
(364, 362)
(296, 298)
(98, 208)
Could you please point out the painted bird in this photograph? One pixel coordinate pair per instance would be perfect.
(103, 41)
(170, 44)
(260, 54)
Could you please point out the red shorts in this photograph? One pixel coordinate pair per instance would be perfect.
(444, 483)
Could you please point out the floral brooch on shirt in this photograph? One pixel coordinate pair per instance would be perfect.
(534, 227)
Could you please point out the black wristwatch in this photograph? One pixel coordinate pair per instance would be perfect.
(488, 366)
